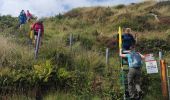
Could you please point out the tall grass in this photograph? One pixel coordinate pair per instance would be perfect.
(13, 55)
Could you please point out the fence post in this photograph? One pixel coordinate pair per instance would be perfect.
(160, 55)
(71, 40)
(37, 44)
(164, 79)
(168, 77)
(107, 56)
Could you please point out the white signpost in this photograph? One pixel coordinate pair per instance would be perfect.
(151, 64)
(151, 67)
(37, 44)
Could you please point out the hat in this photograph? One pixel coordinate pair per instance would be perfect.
(128, 30)
(39, 20)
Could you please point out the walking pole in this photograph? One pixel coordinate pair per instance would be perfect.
(37, 44)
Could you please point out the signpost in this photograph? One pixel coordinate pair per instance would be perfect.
(164, 83)
(151, 64)
(37, 44)
(164, 77)
(71, 40)
(107, 56)
(151, 67)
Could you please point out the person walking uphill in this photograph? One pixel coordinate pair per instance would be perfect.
(29, 16)
(127, 39)
(35, 27)
(22, 18)
(134, 74)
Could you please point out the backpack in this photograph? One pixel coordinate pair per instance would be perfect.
(136, 60)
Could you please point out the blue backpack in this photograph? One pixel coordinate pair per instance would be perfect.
(136, 60)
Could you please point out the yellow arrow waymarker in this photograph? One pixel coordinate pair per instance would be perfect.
(120, 37)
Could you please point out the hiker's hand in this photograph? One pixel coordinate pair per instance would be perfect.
(120, 52)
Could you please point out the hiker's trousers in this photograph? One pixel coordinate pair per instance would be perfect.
(134, 81)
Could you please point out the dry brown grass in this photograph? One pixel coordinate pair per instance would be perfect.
(164, 11)
(153, 35)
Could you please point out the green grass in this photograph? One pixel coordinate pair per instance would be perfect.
(59, 96)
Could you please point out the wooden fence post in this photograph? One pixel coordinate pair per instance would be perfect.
(160, 55)
(71, 40)
(164, 79)
(107, 56)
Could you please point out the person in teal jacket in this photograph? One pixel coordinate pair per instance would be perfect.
(134, 75)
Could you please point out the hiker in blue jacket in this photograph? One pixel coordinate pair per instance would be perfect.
(134, 75)
(22, 18)
(127, 39)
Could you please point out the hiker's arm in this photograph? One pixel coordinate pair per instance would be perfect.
(120, 54)
(143, 57)
(136, 38)
(126, 51)
(133, 39)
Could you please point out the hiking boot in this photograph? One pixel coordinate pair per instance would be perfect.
(140, 93)
(134, 97)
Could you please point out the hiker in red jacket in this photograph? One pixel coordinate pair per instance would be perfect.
(36, 26)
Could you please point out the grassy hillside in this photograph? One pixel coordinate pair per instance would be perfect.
(80, 71)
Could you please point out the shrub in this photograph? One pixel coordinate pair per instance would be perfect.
(153, 45)
(151, 86)
(139, 23)
(120, 6)
(87, 41)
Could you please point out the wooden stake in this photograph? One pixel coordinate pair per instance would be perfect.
(164, 79)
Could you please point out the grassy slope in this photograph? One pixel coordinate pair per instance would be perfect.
(82, 71)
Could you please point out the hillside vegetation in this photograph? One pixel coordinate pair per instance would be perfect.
(80, 71)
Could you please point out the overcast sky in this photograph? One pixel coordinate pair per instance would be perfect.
(45, 8)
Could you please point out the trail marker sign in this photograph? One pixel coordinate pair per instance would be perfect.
(149, 57)
(151, 64)
(151, 67)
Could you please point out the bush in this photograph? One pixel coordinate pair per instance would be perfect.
(87, 41)
(120, 6)
(151, 86)
(153, 45)
(138, 23)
